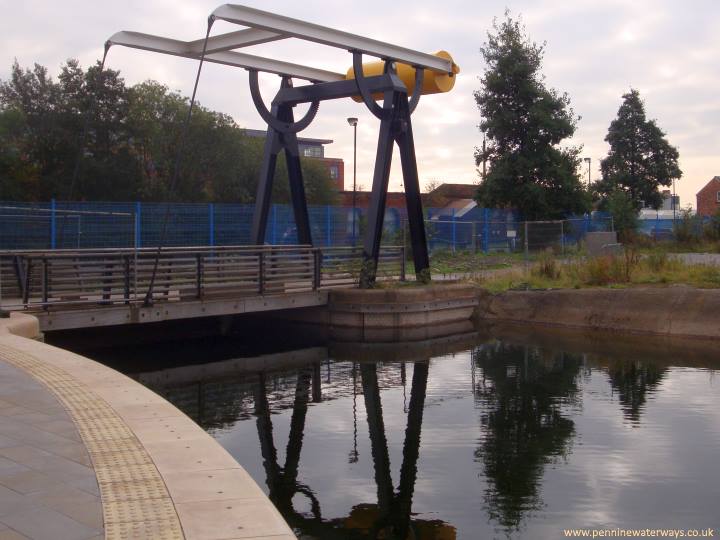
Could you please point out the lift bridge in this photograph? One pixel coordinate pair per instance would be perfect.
(75, 289)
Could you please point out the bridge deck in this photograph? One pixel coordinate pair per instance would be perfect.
(70, 289)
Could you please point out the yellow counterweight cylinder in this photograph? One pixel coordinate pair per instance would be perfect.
(433, 81)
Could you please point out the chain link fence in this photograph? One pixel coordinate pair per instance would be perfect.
(79, 225)
(510, 236)
(67, 226)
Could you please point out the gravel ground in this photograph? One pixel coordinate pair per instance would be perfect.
(698, 258)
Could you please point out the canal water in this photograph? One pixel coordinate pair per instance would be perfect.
(513, 434)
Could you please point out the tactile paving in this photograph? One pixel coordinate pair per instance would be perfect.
(136, 503)
(120, 445)
(125, 473)
(119, 458)
(138, 511)
(157, 530)
(135, 490)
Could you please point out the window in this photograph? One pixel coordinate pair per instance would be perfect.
(334, 173)
(312, 151)
(717, 197)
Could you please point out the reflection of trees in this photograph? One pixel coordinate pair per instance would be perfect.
(521, 392)
(633, 381)
(391, 518)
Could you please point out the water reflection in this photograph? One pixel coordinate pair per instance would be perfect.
(521, 392)
(391, 516)
(633, 380)
(465, 437)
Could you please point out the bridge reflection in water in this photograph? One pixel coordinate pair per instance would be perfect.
(513, 405)
(391, 516)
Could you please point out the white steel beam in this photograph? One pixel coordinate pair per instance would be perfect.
(234, 40)
(148, 42)
(255, 18)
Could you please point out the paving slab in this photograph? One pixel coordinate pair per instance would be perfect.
(38, 467)
(86, 452)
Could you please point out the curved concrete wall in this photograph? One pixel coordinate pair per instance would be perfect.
(160, 474)
(672, 311)
(401, 307)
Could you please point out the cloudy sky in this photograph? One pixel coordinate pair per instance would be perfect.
(596, 51)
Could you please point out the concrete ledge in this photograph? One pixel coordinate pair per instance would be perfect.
(402, 307)
(160, 474)
(20, 324)
(678, 311)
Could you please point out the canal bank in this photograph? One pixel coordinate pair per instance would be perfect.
(675, 311)
(156, 473)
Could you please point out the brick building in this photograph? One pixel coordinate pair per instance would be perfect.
(708, 198)
(315, 149)
(441, 196)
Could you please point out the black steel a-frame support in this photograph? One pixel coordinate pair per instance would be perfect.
(395, 128)
(276, 140)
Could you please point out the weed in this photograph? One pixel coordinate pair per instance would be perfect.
(598, 270)
(657, 260)
(547, 266)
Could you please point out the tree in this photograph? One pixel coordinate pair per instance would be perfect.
(623, 212)
(18, 174)
(73, 136)
(640, 159)
(87, 136)
(525, 122)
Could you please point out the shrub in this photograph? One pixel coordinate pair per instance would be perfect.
(686, 228)
(547, 266)
(657, 261)
(711, 229)
(612, 268)
(598, 270)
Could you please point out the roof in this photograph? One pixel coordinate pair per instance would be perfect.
(455, 191)
(713, 179)
(457, 208)
(301, 140)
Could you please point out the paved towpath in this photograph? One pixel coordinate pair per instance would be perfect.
(86, 453)
(48, 488)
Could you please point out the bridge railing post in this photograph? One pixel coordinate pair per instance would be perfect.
(45, 283)
(199, 275)
(126, 275)
(26, 281)
(402, 263)
(317, 268)
(261, 272)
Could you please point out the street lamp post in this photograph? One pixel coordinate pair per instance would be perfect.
(484, 157)
(353, 122)
(588, 162)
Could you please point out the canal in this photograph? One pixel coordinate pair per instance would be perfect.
(508, 434)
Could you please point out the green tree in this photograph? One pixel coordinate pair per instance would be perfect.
(74, 136)
(525, 122)
(19, 176)
(624, 214)
(219, 162)
(640, 159)
(87, 136)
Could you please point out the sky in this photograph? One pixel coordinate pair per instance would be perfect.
(595, 52)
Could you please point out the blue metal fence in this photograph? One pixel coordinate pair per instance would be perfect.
(77, 225)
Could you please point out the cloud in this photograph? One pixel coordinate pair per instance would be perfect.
(595, 52)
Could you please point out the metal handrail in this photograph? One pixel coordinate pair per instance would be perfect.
(43, 279)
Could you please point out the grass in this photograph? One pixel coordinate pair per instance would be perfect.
(642, 263)
(623, 270)
(467, 262)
